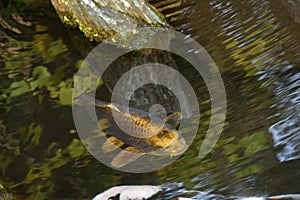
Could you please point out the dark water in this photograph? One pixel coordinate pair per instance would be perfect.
(256, 46)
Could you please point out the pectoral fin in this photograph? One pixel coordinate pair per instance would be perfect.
(98, 103)
(113, 107)
(105, 105)
(111, 144)
(126, 156)
(174, 119)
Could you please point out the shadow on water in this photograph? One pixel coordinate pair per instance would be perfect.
(256, 46)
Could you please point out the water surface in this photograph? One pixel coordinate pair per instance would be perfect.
(256, 46)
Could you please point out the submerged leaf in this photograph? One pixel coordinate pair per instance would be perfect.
(65, 96)
(18, 88)
(33, 136)
(42, 77)
(76, 148)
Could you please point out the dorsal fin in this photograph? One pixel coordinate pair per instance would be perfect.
(99, 103)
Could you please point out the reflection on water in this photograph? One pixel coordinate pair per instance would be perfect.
(285, 132)
(256, 46)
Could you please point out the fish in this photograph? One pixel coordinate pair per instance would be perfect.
(137, 134)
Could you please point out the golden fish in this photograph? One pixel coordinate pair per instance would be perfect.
(143, 135)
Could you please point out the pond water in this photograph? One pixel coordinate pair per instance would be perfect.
(256, 46)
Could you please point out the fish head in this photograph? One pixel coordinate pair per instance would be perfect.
(169, 142)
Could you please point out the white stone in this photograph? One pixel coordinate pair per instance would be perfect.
(132, 192)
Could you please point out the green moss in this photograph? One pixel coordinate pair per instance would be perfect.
(100, 34)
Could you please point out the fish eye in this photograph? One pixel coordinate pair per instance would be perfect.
(160, 135)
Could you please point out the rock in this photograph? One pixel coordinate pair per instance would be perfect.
(130, 192)
(100, 19)
(143, 192)
(5, 194)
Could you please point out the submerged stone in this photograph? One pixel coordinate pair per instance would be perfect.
(100, 19)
